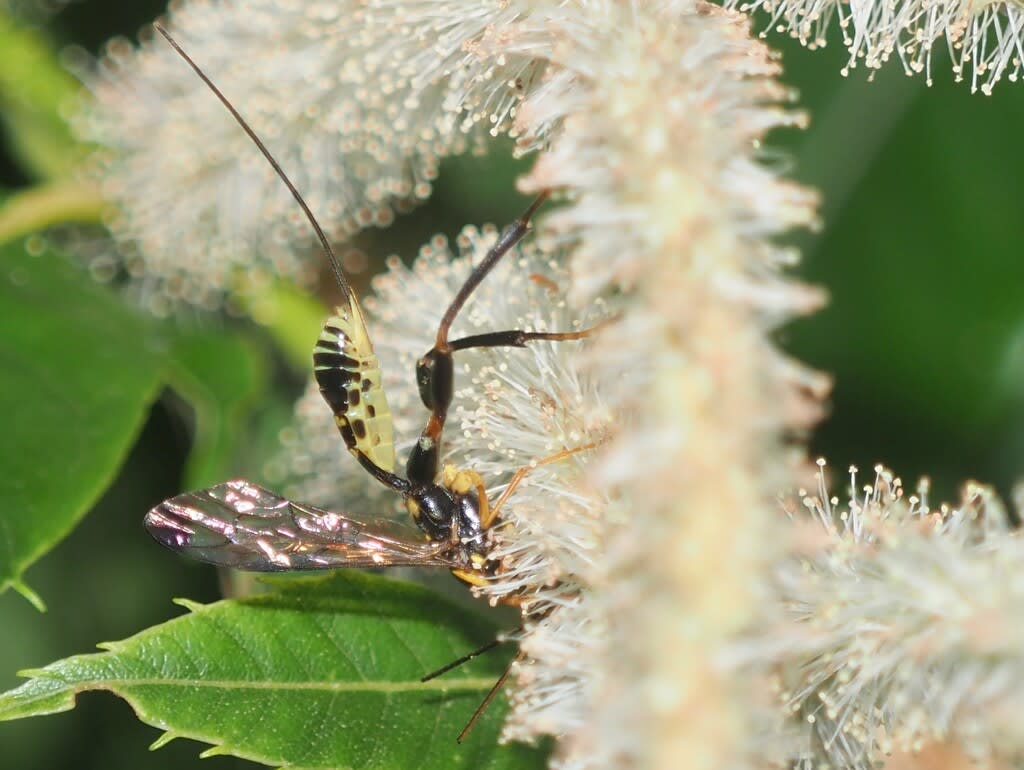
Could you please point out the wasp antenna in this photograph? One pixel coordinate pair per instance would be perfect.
(339, 275)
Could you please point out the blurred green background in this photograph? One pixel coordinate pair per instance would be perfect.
(921, 252)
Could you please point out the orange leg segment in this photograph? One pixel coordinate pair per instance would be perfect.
(519, 475)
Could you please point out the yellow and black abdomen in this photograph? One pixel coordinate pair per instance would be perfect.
(348, 373)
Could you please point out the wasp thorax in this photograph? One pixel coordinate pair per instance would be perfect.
(446, 514)
(435, 510)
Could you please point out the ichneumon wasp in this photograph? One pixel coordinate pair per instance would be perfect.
(242, 525)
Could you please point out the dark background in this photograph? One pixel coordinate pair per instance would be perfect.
(921, 251)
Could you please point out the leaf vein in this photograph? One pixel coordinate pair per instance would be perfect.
(383, 686)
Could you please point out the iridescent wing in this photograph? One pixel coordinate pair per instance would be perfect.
(242, 525)
(348, 373)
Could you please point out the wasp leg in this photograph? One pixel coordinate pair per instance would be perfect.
(519, 475)
(512, 235)
(435, 370)
(516, 338)
(488, 698)
(462, 482)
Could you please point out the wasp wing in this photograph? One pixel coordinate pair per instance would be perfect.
(242, 525)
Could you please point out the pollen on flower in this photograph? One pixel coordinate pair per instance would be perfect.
(198, 207)
(985, 40)
(671, 213)
(902, 629)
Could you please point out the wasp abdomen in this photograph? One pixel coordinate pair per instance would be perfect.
(348, 373)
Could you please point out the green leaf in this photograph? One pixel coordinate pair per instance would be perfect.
(321, 673)
(79, 373)
(34, 89)
(222, 376)
(292, 317)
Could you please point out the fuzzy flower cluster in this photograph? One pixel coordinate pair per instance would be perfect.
(357, 101)
(670, 212)
(641, 559)
(985, 40)
(659, 114)
(903, 628)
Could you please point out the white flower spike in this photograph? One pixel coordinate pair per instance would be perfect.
(903, 626)
(985, 40)
(357, 101)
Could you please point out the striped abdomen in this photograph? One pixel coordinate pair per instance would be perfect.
(348, 373)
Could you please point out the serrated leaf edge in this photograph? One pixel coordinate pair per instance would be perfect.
(190, 604)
